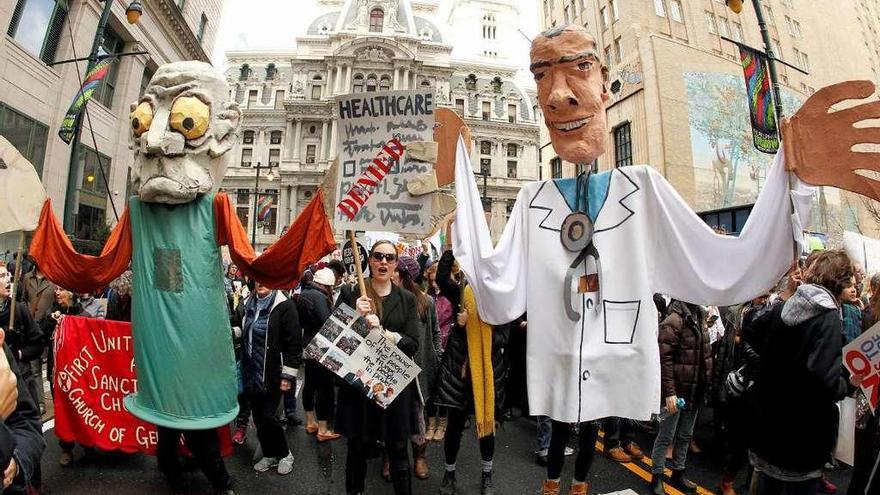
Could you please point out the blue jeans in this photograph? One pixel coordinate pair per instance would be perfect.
(676, 429)
(544, 431)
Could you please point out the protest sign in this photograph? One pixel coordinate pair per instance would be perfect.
(94, 363)
(374, 129)
(864, 251)
(862, 357)
(364, 358)
(21, 192)
(348, 257)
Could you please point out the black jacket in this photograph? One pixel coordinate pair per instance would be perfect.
(314, 310)
(799, 379)
(454, 388)
(26, 340)
(283, 352)
(21, 435)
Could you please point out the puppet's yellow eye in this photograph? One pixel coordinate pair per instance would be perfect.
(141, 118)
(190, 116)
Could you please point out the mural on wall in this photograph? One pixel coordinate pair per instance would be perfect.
(728, 169)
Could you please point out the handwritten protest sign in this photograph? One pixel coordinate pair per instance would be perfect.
(348, 257)
(94, 363)
(364, 358)
(862, 357)
(374, 129)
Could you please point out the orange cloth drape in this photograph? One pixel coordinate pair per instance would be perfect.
(65, 267)
(279, 267)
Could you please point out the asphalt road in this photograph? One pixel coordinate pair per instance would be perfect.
(319, 469)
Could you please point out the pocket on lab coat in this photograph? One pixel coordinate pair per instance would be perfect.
(621, 318)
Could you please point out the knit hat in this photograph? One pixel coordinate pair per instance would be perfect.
(409, 264)
(325, 276)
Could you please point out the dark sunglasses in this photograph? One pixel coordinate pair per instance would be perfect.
(389, 257)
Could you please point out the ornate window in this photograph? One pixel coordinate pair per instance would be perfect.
(489, 27)
(385, 83)
(357, 83)
(377, 17)
(248, 137)
(275, 137)
(371, 83)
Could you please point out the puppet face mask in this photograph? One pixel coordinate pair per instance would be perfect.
(181, 130)
(571, 91)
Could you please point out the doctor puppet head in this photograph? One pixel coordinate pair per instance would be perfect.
(181, 129)
(572, 90)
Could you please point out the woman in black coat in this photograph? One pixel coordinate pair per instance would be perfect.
(362, 421)
(454, 386)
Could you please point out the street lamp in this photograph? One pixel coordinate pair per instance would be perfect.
(735, 5)
(271, 177)
(134, 11)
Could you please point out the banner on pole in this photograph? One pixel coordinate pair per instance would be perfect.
(91, 83)
(94, 370)
(761, 108)
(362, 357)
(374, 129)
(265, 207)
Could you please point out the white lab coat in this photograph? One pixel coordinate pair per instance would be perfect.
(606, 361)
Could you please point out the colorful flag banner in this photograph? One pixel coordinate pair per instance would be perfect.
(265, 207)
(90, 85)
(761, 108)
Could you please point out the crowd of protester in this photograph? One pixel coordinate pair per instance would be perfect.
(769, 371)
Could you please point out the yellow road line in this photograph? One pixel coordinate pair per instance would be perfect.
(645, 475)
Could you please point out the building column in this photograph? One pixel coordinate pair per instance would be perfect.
(395, 84)
(323, 141)
(334, 130)
(338, 81)
(347, 87)
(328, 89)
(288, 140)
(297, 138)
(405, 79)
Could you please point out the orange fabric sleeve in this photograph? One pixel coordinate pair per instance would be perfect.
(279, 267)
(67, 268)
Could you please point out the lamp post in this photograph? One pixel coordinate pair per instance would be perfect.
(270, 177)
(133, 15)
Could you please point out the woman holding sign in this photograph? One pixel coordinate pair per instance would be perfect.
(392, 311)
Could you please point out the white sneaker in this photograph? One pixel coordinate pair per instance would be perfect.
(285, 466)
(569, 451)
(265, 464)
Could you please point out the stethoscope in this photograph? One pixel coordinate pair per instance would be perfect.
(577, 236)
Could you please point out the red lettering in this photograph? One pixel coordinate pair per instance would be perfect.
(348, 208)
(359, 195)
(382, 164)
(853, 357)
(395, 152)
(871, 386)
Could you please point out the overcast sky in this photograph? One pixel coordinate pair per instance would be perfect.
(275, 24)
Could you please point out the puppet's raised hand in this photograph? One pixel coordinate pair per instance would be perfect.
(818, 143)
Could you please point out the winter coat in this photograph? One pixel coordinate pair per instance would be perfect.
(314, 310)
(360, 418)
(21, 435)
(26, 340)
(799, 379)
(427, 358)
(454, 387)
(283, 350)
(39, 294)
(685, 353)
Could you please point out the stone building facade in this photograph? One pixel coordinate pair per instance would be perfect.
(363, 46)
(34, 95)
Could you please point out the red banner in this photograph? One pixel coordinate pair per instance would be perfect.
(94, 370)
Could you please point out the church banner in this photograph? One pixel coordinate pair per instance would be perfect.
(362, 357)
(373, 131)
(94, 370)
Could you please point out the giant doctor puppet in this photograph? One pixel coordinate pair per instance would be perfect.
(585, 255)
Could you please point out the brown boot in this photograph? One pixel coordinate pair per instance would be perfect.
(440, 432)
(579, 488)
(619, 455)
(431, 430)
(420, 467)
(550, 487)
(311, 423)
